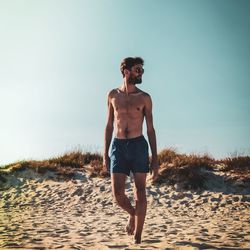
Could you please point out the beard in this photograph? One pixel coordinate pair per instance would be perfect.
(135, 80)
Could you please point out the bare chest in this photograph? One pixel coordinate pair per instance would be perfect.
(132, 103)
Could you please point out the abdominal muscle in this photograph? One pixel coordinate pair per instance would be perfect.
(127, 128)
(128, 115)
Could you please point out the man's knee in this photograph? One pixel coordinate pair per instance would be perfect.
(140, 194)
(119, 197)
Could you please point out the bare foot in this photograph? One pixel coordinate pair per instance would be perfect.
(137, 239)
(130, 227)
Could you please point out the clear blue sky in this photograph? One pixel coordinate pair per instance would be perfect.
(58, 60)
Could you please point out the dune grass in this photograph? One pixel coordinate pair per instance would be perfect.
(174, 168)
(185, 170)
(238, 164)
(238, 167)
(65, 165)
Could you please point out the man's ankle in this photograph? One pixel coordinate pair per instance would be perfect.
(137, 238)
(132, 214)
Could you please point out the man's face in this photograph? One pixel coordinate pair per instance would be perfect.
(136, 74)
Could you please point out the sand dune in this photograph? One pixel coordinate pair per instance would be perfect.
(43, 211)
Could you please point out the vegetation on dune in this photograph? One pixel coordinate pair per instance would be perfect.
(76, 159)
(65, 165)
(187, 170)
(167, 155)
(239, 166)
(190, 170)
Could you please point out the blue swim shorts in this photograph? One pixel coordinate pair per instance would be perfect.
(129, 155)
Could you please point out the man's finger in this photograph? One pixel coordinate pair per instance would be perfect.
(155, 175)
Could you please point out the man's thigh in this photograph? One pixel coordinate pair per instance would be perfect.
(140, 181)
(118, 183)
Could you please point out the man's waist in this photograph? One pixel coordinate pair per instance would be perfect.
(129, 139)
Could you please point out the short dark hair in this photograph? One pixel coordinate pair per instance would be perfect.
(129, 62)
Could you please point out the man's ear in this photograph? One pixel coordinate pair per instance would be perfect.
(126, 72)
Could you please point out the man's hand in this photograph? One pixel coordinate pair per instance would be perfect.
(154, 169)
(106, 164)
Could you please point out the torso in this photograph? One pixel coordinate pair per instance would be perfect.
(128, 113)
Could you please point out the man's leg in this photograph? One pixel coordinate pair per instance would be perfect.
(118, 188)
(141, 204)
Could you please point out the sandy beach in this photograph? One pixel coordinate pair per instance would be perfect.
(45, 211)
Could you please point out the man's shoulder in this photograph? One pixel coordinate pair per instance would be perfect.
(112, 92)
(143, 93)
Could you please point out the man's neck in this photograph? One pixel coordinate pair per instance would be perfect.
(128, 87)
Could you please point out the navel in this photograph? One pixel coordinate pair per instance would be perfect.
(126, 132)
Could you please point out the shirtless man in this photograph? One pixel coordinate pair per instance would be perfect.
(127, 107)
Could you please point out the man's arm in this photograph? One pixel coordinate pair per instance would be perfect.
(151, 136)
(108, 133)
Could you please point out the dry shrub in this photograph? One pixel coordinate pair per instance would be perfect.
(96, 169)
(75, 159)
(20, 166)
(65, 165)
(193, 160)
(239, 166)
(38, 166)
(187, 171)
(167, 155)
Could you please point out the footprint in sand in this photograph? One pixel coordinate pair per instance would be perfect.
(151, 241)
(84, 233)
(36, 240)
(117, 246)
(11, 245)
(163, 228)
(59, 246)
